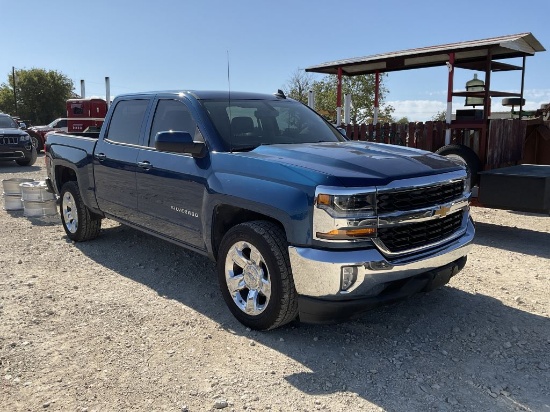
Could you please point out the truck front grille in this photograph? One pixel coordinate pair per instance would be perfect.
(6, 140)
(407, 237)
(419, 198)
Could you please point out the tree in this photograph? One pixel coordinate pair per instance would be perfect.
(41, 95)
(440, 116)
(361, 89)
(299, 85)
(403, 120)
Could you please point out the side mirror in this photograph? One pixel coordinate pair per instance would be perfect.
(22, 125)
(342, 131)
(179, 142)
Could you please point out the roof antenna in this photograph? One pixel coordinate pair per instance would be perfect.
(228, 77)
(280, 94)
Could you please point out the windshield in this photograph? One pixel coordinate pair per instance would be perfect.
(7, 122)
(247, 124)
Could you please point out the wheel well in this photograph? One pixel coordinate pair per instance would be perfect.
(226, 216)
(64, 175)
(39, 136)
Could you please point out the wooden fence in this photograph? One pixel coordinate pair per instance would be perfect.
(503, 145)
(428, 136)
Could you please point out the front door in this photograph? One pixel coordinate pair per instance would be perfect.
(171, 185)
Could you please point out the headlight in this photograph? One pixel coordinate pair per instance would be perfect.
(339, 206)
(24, 138)
(345, 217)
(467, 186)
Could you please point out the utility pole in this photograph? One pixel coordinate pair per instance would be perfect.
(14, 92)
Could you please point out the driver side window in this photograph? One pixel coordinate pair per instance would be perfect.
(171, 115)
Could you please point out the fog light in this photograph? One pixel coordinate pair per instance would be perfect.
(382, 265)
(349, 276)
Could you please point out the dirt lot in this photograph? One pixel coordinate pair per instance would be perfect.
(130, 322)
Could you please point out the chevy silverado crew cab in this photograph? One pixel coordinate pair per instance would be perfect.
(301, 222)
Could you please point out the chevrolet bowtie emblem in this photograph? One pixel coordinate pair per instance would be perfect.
(442, 211)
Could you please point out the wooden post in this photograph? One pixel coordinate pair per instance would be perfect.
(393, 133)
(449, 98)
(420, 135)
(428, 144)
(376, 93)
(349, 132)
(363, 132)
(339, 98)
(484, 132)
(439, 139)
(411, 140)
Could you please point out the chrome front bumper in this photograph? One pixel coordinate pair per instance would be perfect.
(317, 273)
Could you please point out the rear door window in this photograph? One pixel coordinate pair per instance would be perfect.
(127, 120)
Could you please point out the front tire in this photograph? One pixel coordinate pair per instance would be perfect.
(30, 161)
(35, 143)
(39, 144)
(79, 224)
(255, 276)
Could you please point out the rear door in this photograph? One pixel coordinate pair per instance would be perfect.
(171, 185)
(115, 159)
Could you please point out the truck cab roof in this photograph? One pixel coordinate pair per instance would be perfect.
(210, 94)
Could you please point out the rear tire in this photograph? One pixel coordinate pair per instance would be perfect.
(79, 223)
(255, 276)
(464, 156)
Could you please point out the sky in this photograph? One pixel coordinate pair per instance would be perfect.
(183, 44)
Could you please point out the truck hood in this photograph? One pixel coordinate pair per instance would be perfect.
(355, 163)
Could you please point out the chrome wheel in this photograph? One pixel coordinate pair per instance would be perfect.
(255, 276)
(247, 278)
(70, 213)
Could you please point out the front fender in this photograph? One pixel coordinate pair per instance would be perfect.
(289, 205)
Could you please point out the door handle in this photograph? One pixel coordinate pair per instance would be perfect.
(145, 165)
(100, 156)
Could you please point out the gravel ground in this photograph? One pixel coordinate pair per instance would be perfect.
(130, 322)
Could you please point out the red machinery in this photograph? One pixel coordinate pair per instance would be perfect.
(85, 114)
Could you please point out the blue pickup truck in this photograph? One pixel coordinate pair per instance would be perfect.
(301, 222)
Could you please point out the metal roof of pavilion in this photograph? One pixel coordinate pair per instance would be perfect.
(468, 55)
